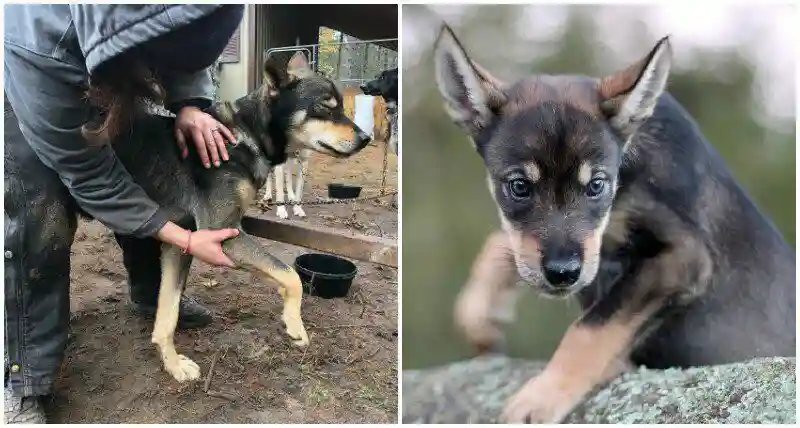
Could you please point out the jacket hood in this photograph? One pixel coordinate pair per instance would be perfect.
(105, 31)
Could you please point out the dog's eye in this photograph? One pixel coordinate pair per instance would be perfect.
(595, 187)
(519, 189)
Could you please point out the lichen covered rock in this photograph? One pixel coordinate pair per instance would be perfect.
(475, 391)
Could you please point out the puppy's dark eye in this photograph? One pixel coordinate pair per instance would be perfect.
(595, 188)
(519, 189)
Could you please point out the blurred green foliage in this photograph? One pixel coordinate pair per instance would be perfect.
(447, 210)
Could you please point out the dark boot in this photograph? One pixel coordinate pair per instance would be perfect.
(23, 410)
(142, 259)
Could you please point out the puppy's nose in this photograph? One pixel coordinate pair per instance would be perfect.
(362, 138)
(562, 271)
(363, 88)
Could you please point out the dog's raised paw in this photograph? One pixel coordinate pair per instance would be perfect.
(473, 316)
(183, 369)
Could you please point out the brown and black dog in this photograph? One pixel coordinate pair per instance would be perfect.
(295, 109)
(607, 191)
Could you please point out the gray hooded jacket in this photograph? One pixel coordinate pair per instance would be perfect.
(49, 52)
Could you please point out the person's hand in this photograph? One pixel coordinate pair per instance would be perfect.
(206, 245)
(209, 135)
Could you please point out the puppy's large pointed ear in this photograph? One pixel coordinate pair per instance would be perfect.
(629, 97)
(472, 95)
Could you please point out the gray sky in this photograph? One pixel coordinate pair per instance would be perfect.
(771, 27)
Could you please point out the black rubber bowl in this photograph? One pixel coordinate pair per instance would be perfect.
(343, 191)
(325, 275)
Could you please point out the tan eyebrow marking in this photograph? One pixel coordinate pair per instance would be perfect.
(330, 102)
(585, 173)
(532, 169)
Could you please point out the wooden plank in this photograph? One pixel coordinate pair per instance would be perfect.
(326, 239)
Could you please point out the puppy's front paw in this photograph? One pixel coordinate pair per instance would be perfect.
(183, 369)
(298, 211)
(281, 212)
(542, 400)
(473, 316)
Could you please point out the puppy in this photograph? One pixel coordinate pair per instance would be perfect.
(608, 192)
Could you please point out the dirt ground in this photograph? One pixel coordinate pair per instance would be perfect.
(112, 373)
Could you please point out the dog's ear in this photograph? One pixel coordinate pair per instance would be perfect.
(275, 74)
(629, 97)
(298, 66)
(472, 95)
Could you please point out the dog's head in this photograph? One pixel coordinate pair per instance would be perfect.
(385, 85)
(552, 146)
(307, 109)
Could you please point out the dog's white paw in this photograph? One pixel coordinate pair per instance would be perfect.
(281, 212)
(183, 369)
(298, 211)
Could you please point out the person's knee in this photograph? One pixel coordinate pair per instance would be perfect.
(45, 227)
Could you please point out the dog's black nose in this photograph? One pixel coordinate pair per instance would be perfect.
(363, 138)
(363, 88)
(562, 271)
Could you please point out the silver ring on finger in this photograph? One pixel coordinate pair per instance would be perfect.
(213, 130)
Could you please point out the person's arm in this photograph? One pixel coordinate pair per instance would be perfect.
(47, 97)
(173, 234)
(188, 90)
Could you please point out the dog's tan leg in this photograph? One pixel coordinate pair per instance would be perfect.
(485, 304)
(248, 254)
(174, 270)
(588, 356)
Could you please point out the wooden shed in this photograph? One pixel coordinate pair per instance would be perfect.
(267, 26)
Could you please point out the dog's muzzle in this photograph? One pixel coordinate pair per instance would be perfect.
(362, 139)
(367, 90)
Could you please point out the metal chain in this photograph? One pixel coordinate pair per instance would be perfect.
(385, 163)
(331, 201)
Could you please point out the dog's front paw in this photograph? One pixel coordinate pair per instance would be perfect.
(183, 369)
(298, 211)
(296, 330)
(542, 400)
(281, 212)
(473, 316)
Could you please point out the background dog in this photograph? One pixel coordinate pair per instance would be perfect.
(295, 109)
(607, 191)
(386, 86)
